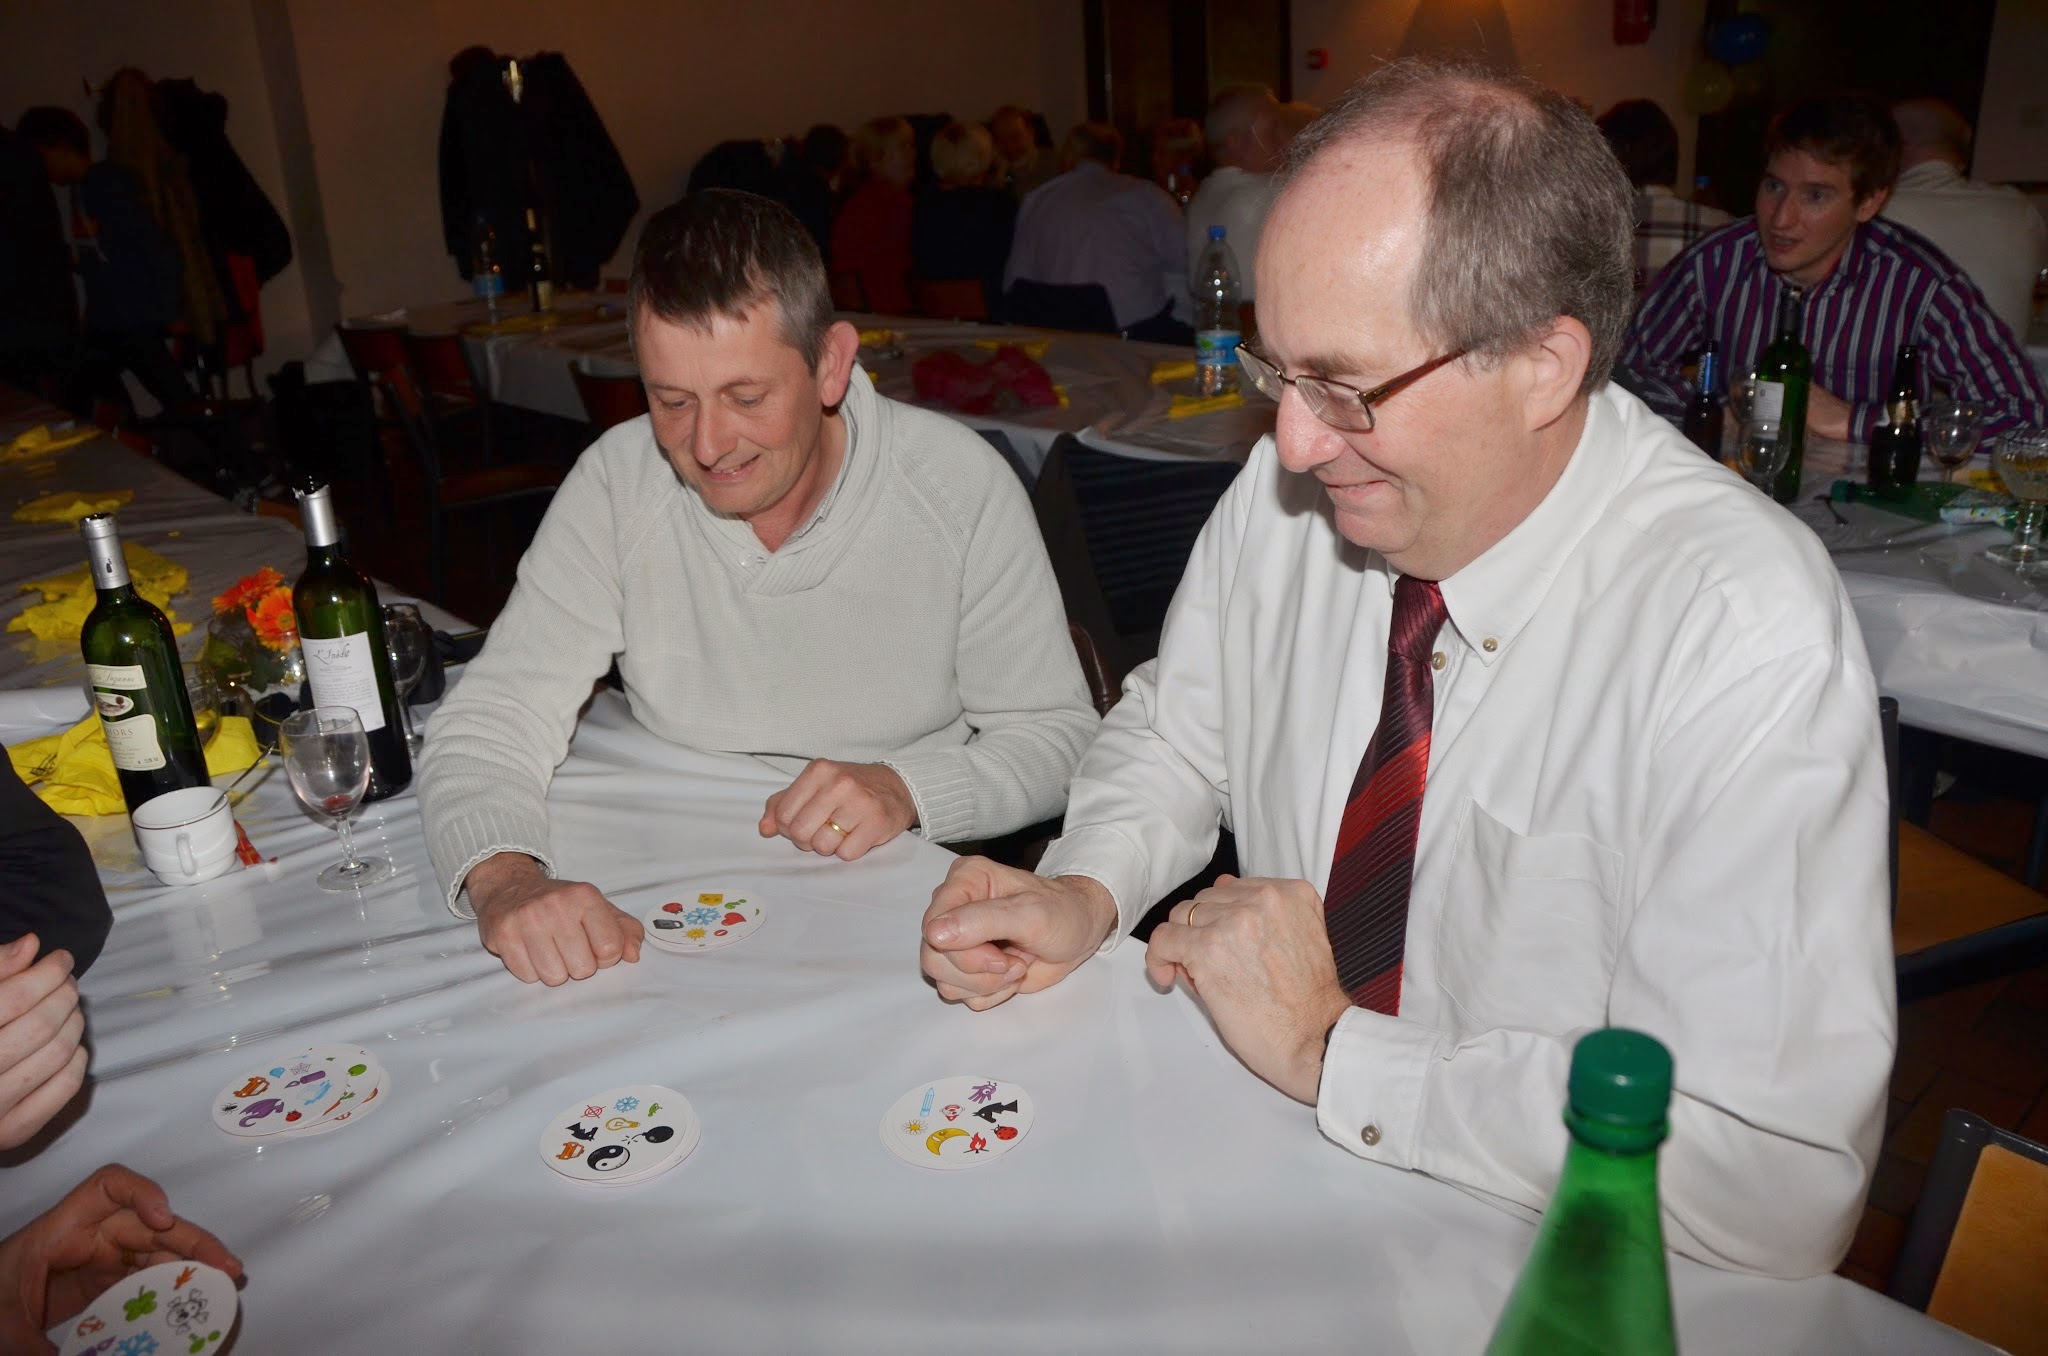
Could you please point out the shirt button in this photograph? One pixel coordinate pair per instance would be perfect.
(1490, 644)
(1371, 1135)
(1437, 660)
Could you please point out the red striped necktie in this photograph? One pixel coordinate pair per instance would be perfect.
(1366, 906)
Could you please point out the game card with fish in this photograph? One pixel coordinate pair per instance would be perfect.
(957, 1122)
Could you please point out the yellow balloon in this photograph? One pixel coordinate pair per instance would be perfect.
(1708, 88)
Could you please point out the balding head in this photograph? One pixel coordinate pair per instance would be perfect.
(1931, 129)
(1243, 129)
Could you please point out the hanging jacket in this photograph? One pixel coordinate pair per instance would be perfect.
(550, 150)
(239, 217)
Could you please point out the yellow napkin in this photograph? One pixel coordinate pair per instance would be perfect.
(1185, 406)
(1061, 392)
(69, 597)
(40, 441)
(1034, 349)
(1172, 371)
(877, 338)
(76, 773)
(526, 322)
(68, 506)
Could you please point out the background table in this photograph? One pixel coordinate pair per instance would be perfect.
(1165, 1199)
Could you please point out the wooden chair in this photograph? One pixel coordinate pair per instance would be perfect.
(949, 298)
(446, 493)
(847, 292)
(1977, 1250)
(1102, 690)
(608, 398)
(1955, 920)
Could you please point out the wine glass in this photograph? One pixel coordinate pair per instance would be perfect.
(2022, 461)
(1950, 431)
(409, 644)
(1760, 453)
(327, 757)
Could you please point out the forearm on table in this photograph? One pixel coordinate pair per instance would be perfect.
(1010, 775)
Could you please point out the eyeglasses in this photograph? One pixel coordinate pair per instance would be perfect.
(1336, 404)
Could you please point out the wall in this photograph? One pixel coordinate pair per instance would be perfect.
(2012, 125)
(670, 80)
(1567, 44)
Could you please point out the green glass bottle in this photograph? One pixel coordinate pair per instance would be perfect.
(131, 662)
(1596, 1279)
(1895, 443)
(341, 633)
(1784, 372)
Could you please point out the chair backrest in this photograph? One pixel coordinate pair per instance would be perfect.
(1102, 690)
(1977, 1251)
(442, 364)
(1888, 723)
(1060, 306)
(372, 350)
(949, 298)
(608, 398)
(847, 292)
(408, 407)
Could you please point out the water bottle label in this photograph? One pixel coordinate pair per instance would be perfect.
(489, 285)
(1770, 402)
(1216, 348)
(343, 672)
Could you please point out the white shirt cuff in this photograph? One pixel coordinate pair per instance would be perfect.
(1370, 1100)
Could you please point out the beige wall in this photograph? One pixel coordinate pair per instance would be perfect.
(1567, 44)
(670, 81)
(2012, 125)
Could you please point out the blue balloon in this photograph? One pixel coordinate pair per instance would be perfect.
(1740, 40)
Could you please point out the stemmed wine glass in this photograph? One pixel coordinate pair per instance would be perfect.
(409, 644)
(2022, 461)
(1950, 431)
(1760, 453)
(327, 757)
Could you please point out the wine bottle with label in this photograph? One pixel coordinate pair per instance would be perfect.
(131, 662)
(540, 279)
(1784, 372)
(341, 633)
(1895, 442)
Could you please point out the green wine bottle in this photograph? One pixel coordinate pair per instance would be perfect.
(1895, 442)
(1784, 372)
(1596, 1279)
(131, 662)
(341, 632)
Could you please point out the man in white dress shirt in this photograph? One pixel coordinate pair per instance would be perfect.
(1652, 788)
(1991, 231)
(1246, 142)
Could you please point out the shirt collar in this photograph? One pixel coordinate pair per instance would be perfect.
(1929, 174)
(1492, 599)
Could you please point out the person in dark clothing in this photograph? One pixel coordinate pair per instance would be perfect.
(962, 225)
(131, 270)
(809, 181)
(48, 884)
(38, 306)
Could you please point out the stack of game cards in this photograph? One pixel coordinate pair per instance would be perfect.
(622, 1136)
(957, 1122)
(309, 1093)
(716, 920)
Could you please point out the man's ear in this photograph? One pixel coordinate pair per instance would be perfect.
(835, 362)
(1557, 365)
(1869, 207)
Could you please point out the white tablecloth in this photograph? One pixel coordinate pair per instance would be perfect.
(1164, 1200)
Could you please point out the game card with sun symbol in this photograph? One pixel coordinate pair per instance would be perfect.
(703, 920)
(958, 1122)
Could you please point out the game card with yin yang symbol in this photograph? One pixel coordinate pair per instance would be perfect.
(957, 1122)
(625, 1135)
(170, 1309)
(272, 1096)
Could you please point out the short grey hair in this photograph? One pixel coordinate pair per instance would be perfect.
(720, 251)
(1529, 216)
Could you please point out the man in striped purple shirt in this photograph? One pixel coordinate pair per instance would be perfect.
(1869, 285)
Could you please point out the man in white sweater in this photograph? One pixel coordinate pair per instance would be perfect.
(782, 562)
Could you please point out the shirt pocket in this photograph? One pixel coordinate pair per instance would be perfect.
(1527, 937)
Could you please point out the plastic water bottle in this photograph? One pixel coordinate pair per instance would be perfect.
(1216, 333)
(487, 275)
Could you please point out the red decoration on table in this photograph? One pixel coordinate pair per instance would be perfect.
(1012, 379)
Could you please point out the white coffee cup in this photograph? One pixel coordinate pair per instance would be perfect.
(186, 836)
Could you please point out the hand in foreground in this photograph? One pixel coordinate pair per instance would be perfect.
(552, 931)
(842, 810)
(1258, 956)
(42, 1062)
(993, 931)
(1827, 414)
(112, 1224)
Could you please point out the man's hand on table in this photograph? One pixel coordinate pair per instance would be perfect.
(548, 930)
(1258, 956)
(993, 931)
(42, 1060)
(842, 810)
(113, 1224)
(1827, 414)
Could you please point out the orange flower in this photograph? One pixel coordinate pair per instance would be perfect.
(271, 618)
(248, 591)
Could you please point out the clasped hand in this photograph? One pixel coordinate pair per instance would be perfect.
(42, 1059)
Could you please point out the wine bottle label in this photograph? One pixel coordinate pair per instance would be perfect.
(1770, 402)
(120, 694)
(343, 672)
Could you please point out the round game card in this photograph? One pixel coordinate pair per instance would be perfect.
(958, 1122)
(297, 1092)
(702, 921)
(364, 1084)
(172, 1307)
(626, 1135)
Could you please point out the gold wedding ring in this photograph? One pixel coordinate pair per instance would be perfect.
(1191, 912)
(833, 825)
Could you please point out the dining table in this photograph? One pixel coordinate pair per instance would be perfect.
(1163, 1198)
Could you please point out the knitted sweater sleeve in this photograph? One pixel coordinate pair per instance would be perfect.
(495, 743)
(1021, 687)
